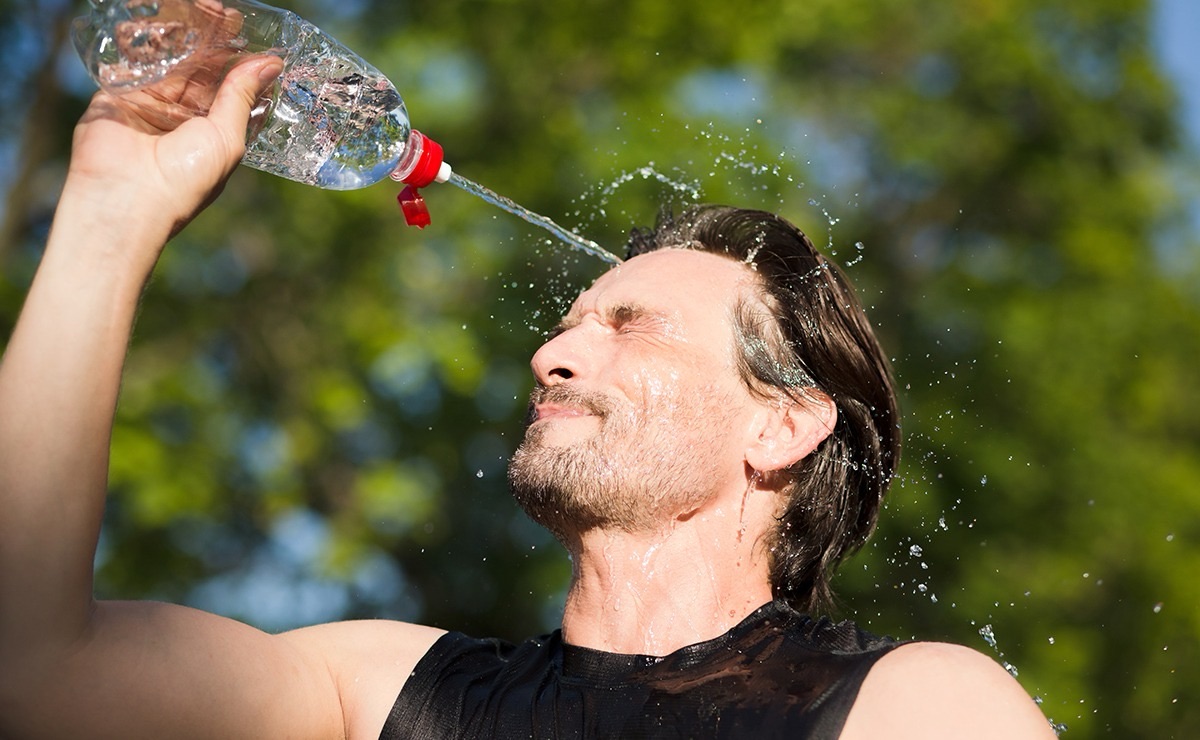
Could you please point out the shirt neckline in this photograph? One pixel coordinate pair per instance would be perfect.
(603, 667)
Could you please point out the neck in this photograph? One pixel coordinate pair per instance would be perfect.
(653, 593)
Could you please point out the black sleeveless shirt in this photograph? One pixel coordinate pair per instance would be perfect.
(777, 674)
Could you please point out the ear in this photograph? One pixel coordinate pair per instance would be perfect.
(790, 430)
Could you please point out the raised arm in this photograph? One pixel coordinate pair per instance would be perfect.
(72, 667)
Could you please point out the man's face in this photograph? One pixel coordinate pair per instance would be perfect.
(639, 414)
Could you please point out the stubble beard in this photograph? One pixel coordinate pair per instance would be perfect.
(635, 474)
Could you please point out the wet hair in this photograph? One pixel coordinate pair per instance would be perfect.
(805, 335)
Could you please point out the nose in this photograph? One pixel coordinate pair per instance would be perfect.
(561, 358)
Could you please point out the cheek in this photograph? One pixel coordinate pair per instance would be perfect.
(660, 386)
(657, 391)
(669, 390)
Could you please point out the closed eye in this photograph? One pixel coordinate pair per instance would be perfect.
(636, 326)
(625, 318)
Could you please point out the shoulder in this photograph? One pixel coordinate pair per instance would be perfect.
(369, 661)
(932, 690)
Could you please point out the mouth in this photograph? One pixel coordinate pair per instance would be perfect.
(547, 403)
(544, 411)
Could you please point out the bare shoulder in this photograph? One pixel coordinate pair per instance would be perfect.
(369, 661)
(934, 690)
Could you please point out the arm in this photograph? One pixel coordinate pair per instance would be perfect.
(929, 691)
(72, 665)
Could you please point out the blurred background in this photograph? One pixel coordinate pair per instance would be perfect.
(320, 401)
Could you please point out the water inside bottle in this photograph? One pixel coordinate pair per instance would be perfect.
(572, 239)
(338, 123)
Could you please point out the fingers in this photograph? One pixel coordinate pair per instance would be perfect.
(241, 88)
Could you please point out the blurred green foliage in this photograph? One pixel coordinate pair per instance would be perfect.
(320, 401)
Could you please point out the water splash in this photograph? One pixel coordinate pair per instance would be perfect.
(989, 636)
(571, 238)
(688, 189)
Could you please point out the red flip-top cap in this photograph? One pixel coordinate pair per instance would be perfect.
(415, 211)
(429, 162)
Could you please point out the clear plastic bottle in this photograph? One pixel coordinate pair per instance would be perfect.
(330, 120)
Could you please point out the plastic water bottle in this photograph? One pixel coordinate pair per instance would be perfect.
(330, 119)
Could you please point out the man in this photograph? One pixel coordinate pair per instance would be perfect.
(700, 475)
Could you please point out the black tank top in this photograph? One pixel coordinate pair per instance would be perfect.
(777, 674)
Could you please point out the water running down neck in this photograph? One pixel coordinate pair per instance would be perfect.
(585, 245)
(755, 477)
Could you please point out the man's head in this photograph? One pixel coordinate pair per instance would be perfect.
(632, 423)
(669, 359)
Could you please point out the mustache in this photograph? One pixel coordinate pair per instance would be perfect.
(567, 395)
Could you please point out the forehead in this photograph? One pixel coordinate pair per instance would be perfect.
(680, 282)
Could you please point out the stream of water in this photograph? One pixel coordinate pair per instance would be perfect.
(578, 242)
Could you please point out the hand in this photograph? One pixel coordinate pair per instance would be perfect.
(133, 175)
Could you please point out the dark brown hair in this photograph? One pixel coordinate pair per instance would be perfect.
(807, 332)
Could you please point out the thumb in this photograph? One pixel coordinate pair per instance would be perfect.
(242, 87)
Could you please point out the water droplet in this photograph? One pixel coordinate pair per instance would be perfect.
(478, 473)
(988, 635)
(915, 551)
